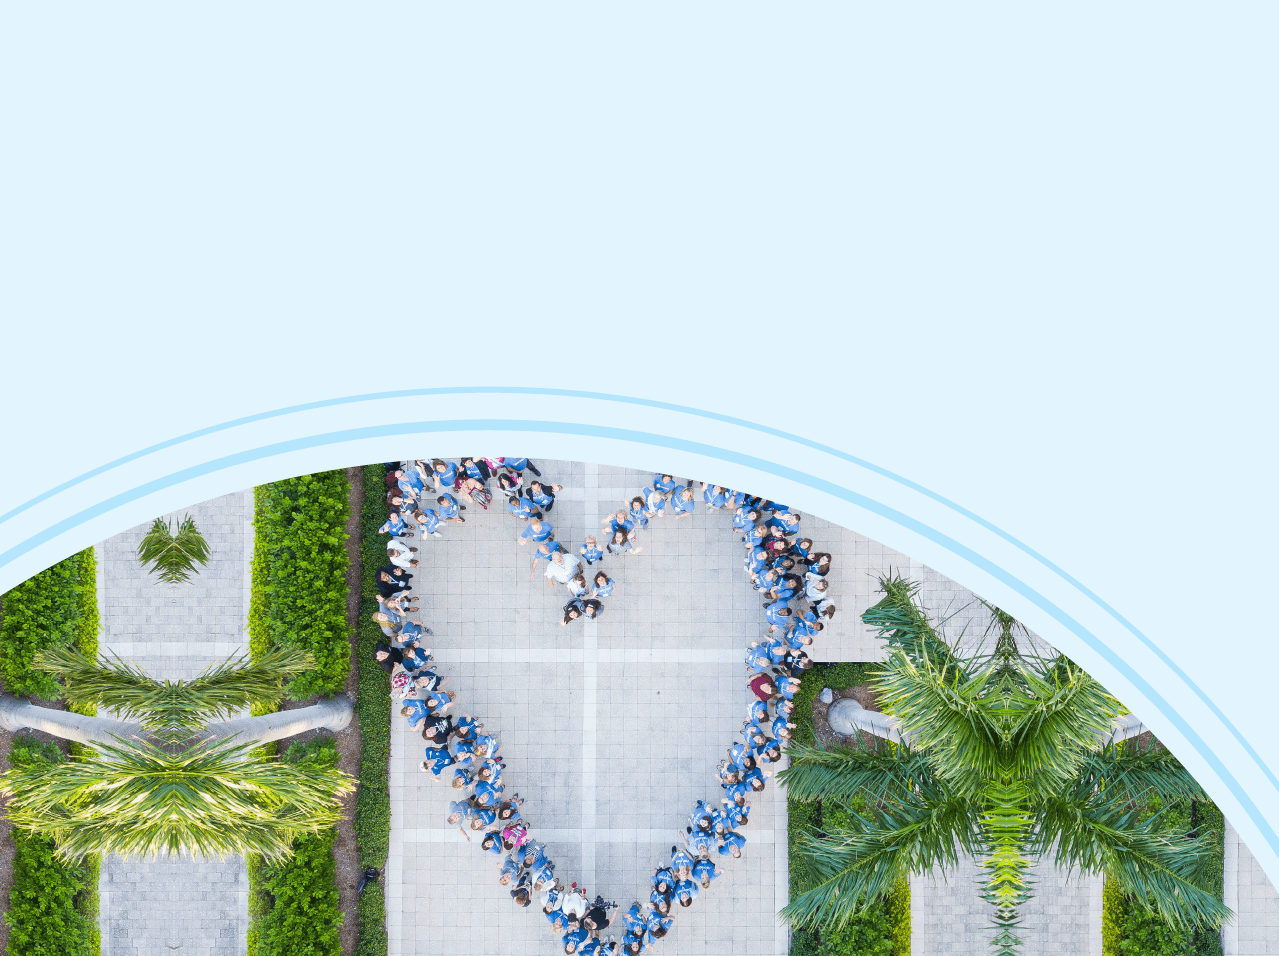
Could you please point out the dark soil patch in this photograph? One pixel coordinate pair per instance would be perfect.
(346, 853)
(864, 695)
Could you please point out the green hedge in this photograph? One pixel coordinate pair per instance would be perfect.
(53, 903)
(293, 905)
(884, 928)
(373, 707)
(57, 607)
(298, 595)
(1129, 930)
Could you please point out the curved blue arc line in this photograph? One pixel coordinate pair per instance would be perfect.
(713, 416)
(708, 451)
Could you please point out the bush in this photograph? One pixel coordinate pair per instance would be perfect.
(883, 929)
(373, 707)
(298, 596)
(57, 607)
(293, 905)
(52, 902)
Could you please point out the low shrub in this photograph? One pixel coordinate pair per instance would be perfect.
(373, 707)
(298, 595)
(57, 607)
(52, 902)
(293, 905)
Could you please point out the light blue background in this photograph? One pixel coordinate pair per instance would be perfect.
(1027, 258)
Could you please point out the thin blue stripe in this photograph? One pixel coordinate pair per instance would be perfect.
(708, 451)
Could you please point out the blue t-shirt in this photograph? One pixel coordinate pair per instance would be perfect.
(657, 921)
(430, 520)
(485, 815)
(487, 794)
(655, 502)
(731, 839)
(448, 507)
(591, 553)
(473, 469)
(664, 486)
(681, 506)
(576, 936)
(779, 724)
(758, 710)
(753, 536)
(394, 525)
(635, 920)
(411, 482)
(542, 498)
(487, 741)
(558, 919)
(438, 759)
(680, 859)
(700, 839)
(544, 873)
(466, 725)
(615, 526)
(772, 615)
(603, 590)
(463, 753)
(704, 871)
(637, 516)
(663, 875)
(539, 533)
(511, 865)
(628, 940)
(716, 499)
(448, 475)
(417, 712)
(735, 816)
(520, 507)
(735, 790)
(687, 886)
(516, 464)
(459, 806)
(464, 776)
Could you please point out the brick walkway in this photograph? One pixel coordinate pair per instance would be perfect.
(191, 907)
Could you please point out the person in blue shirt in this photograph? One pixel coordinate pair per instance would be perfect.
(395, 526)
(467, 727)
(819, 563)
(715, 496)
(436, 760)
(782, 728)
(412, 632)
(486, 745)
(758, 661)
(681, 863)
(777, 614)
(510, 868)
(659, 925)
(699, 842)
(487, 794)
(704, 871)
(429, 521)
(632, 945)
(683, 503)
(603, 585)
(666, 484)
(753, 779)
(686, 891)
(801, 549)
(590, 551)
(460, 811)
(735, 499)
(444, 473)
(490, 771)
(757, 711)
(787, 686)
(462, 779)
(735, 816)
(542, 496)
(543, 876)
(537, 531)
(411, 484)
(618, 521)
(636, 920)
(476, 468)
(655, 504)
(663, 880)
(482, 818)
(521, 465)
(753, 537)
(756, 562)
(621, 542)
(786, 521)
(463, 753)
(492, 842)
(415, 711)
(521, 508)
(449, 508)
(637, 513)
(575, 938)
(744, 518)
(732, 845)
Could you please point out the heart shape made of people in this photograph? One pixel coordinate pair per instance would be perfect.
(760, 547)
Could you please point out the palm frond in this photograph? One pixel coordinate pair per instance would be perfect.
(903, 625)
(127, 691)
(139, 800)
(856, 864)
(1127, 773)
(173, 556)
(840, 774)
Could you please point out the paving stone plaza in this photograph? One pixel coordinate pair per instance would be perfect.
(611, 731)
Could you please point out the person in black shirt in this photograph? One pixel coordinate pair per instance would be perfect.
(391, 580)
(388, 656)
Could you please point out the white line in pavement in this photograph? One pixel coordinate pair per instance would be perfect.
(597, 655)
(589, 730)
(601, 835)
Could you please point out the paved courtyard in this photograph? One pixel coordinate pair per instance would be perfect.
(191, 907)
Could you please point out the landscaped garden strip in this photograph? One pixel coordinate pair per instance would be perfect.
(57, 607)
(53, 903)
(1130, 930)
(298, 596)
(293, 904)
(884, 928)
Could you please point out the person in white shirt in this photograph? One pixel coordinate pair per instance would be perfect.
(400, 554)
(562, 568)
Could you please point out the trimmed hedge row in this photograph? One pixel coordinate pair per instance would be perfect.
(298, 596)
(1129, 930)
(293, 905)
(884, 928)
(373, 707)
(53, 903)
(57, 607)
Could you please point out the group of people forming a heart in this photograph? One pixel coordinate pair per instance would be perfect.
(782, 566)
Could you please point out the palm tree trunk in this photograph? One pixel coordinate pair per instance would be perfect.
(846, 717)
(333, 714)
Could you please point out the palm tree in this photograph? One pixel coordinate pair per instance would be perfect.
(174, 556)
(1006, 756)
(167, 777)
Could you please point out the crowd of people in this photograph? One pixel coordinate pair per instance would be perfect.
(787, 571)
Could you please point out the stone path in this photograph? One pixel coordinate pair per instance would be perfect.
(1252, 896)
(184, 907)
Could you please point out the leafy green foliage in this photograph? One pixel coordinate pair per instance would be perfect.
(56, 608)
(1002, 759)
(373, 707)
(298, 596)
(1114, 913)
(174, 556)
(293, 904)
(52, 902)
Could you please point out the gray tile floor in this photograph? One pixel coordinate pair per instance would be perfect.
(159, 907)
